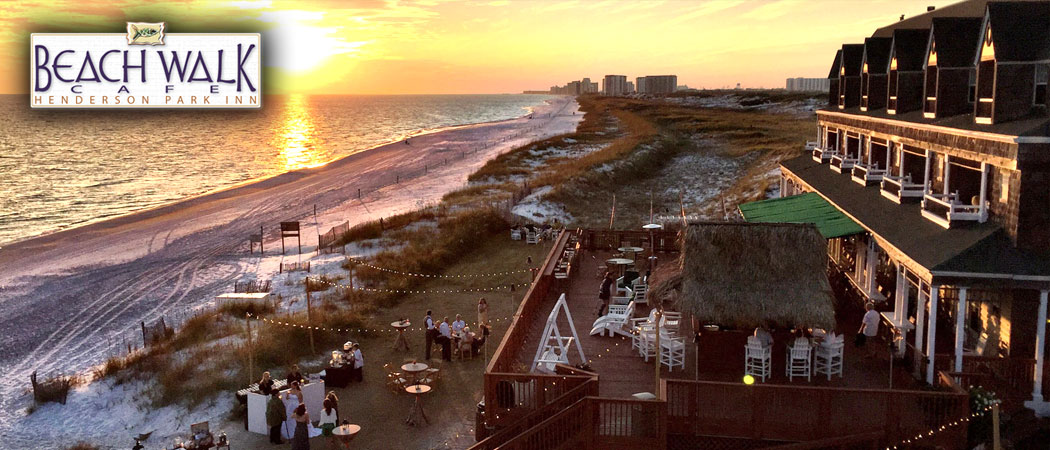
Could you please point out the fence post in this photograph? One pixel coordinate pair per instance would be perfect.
(309, 327)
(359, 193)
(251, 355)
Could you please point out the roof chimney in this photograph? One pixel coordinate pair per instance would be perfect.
(902, 16)
(930, 8)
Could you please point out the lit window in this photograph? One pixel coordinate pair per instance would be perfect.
(1040, 84)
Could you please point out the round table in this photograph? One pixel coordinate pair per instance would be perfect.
(414, 369)
(622, 262)
(346, 433)
(417, 416)
(401, 342)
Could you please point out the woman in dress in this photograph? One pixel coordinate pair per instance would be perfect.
(301, 438)
(328, 421)
(483, 312)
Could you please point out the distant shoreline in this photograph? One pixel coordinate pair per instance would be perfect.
(170, 205)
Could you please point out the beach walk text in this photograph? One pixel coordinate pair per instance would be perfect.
(108, 70)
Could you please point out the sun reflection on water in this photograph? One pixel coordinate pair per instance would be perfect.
(295, 139)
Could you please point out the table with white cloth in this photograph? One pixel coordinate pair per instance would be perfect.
(313, 392)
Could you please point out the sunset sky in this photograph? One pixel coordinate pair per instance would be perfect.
(437, 47)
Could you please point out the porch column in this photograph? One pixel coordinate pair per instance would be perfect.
(926, 177)
(1040, 347)
(889, 156)
(931, 334)
(868, 149)
(873, 259)
(960, 329)
(900, 167)
(920, 325)
(947, 173)
(984, 195)
(900, 310)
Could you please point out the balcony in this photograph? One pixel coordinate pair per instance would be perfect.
(943, 209)
(843, 163)
(822, 155)
(864, 175)
(900, 188)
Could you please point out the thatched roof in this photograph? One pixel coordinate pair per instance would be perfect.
(744, 275)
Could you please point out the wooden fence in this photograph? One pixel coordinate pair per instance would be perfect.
(807, 413)
(250, 287)
(1010, 378)
(326, 242)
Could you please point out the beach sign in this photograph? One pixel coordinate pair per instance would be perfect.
(145, 67)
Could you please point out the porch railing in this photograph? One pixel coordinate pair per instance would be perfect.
(598, 423)
(663, 240)
(944, 208)
(862, 173)
(822, 155)
(804, 413)
(842, 162)
(516, 427)
(897, 188)
(1008, 377)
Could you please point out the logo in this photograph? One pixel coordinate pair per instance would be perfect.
(145, 67)
(143, 33)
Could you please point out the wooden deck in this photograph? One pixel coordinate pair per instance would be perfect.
(623, 372)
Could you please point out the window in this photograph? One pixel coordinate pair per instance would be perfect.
(972, 96)
(1040, 84)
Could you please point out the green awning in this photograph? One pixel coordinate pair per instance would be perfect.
(805, 208)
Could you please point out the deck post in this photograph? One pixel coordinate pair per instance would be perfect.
(931, 334)
(947, 175)
(900, 161)
(872, 260)
(920, 325)
(960, 329)
(900, 309)
(1040, 348)
(926, 177)
(984, 195)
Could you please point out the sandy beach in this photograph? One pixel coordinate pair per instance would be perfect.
(68, 298)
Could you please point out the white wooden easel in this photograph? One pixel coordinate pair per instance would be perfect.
(554, 348)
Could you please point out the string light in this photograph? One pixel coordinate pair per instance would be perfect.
(931, 432)
(346, 330)
(510, 287)
(427, 275)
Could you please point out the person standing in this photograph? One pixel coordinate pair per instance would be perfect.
(429, 333)
(301, 438)
(869, 328)
(445, 339)
(294, 375)
(328, 421)
(483, 312)
(275, 417)
(359, 364)
(605, 293)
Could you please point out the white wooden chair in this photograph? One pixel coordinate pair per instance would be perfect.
(799, 361)
(515, 235)
(828, 357)
(672, 351)
(758, 360)
(615, 322)
(640, 294)
(672, 321)
(532, 237)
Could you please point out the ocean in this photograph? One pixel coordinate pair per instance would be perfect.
(62, 169)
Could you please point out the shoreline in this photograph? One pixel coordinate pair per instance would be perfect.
(220, 192)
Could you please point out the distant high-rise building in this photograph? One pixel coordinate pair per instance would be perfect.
(587, 87)
(615, 85)
(659, 84)
(639, 85)
(808, 84)
(574, 88)
(630, 87)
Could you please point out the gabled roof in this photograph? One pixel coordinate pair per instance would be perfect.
(909, 47)
(877, 54)
(956, 40)
(1020, 30)
(852, 58)
(835, 65)
(969, 8)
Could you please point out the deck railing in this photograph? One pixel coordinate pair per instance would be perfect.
(806, 413)
(598, 423)
(664, 240)
(514, 428)
(1008, 377)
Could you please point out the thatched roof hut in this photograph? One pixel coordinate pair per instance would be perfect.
(744, 275)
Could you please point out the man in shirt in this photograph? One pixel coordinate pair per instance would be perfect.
(458, 325)
(275, 417)
(359, 364)
(445, 339)
(869, 328)
(429, 333)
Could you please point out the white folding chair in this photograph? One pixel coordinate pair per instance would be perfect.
(758, 359)
(828, 358)
(799, 360)
(672, 351)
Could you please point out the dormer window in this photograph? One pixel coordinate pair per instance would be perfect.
(972, 83)
(985, 80)
(1040, 84)
(891, 103)
(929, 109)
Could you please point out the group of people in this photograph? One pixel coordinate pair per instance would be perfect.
(277, 416)
(351, 356)
(456, 333)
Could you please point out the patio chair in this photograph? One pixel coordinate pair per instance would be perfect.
(615, 322)
(799, 361)
(515, 235)
(430, 376)
(672, 321)
(672, 351)
(394, 380)
(640, 294)
(757, 361)
(828, 358)
(532, 237)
